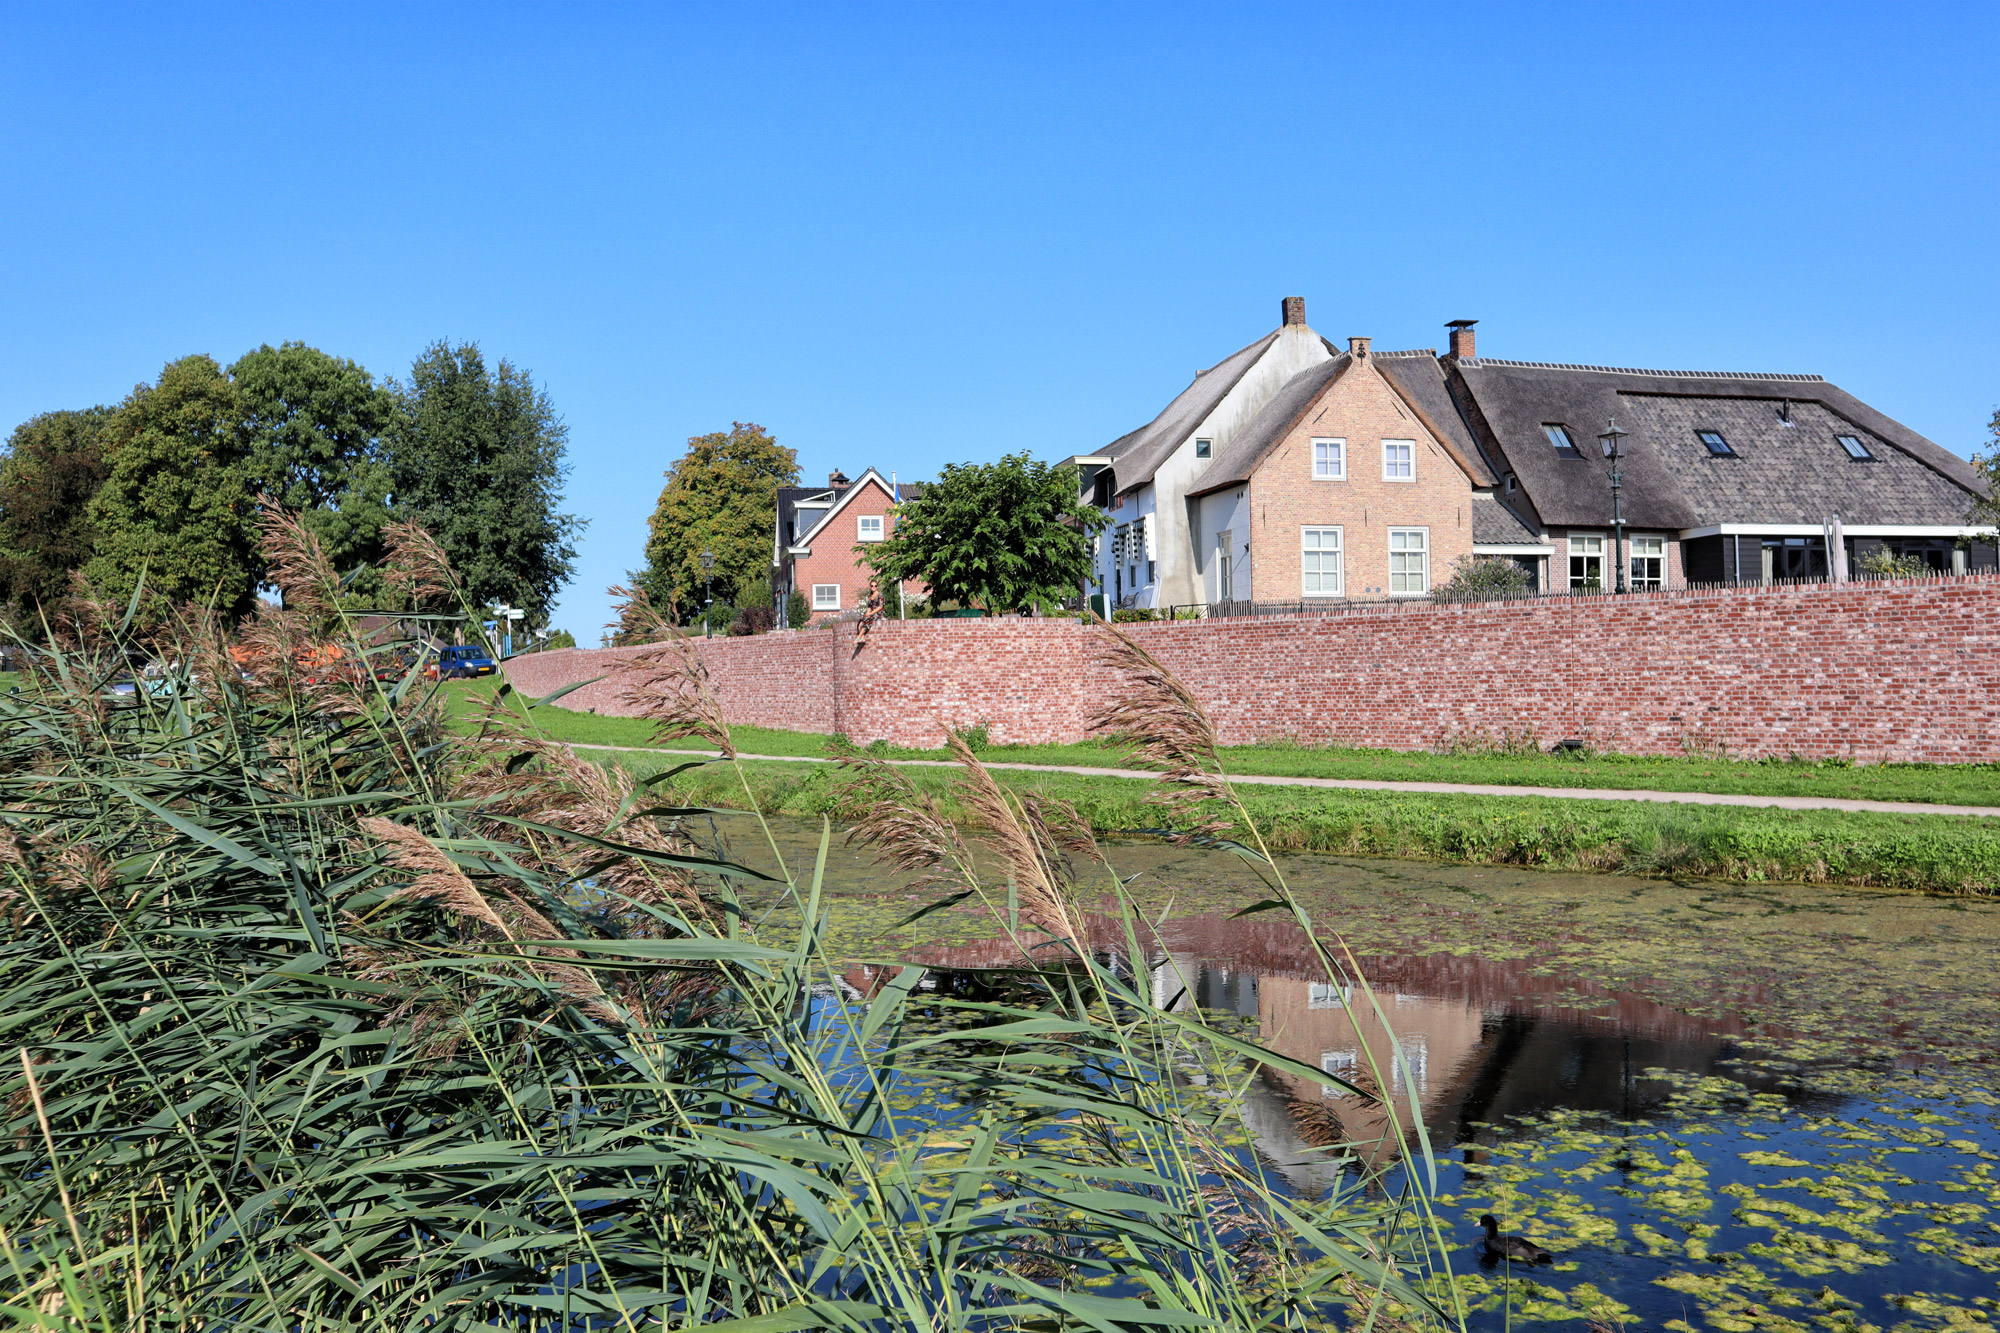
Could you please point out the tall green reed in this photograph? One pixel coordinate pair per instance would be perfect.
(321, 1017)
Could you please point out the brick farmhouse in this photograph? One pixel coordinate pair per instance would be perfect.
(1295, 471)
(813, 548)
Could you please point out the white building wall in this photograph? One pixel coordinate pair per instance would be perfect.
(1297, 348)
(1225, 511)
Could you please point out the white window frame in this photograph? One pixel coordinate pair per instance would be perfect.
(1312, 542)
(1424, 570)
(1333, 467)
(1411, 445)
(1656, 550)
(820, 592)
(1579, 550)
(861, 532)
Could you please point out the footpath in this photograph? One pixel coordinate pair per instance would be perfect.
(1435, 788)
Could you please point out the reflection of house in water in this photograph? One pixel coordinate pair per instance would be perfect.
(1478, 1040)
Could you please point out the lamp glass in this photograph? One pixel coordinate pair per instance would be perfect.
(1611, 441)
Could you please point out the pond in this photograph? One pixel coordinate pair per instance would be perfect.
(1720, 1106)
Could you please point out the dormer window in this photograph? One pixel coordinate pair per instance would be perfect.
(1715, 444)
(1559, 435)
(1203, 448)
(1855, 448)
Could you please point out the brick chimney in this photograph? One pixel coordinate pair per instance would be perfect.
(1461, 339)
(836, 478)
(1358, 348)
(1295, 310)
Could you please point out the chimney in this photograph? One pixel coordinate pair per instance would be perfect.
(1461, 339)
(836, 478)
(1358, 348)
(1295, 310)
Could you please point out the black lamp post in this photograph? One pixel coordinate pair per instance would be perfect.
(1612, 441)
(708, 594)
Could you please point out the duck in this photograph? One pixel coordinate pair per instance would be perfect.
(1520, 1248)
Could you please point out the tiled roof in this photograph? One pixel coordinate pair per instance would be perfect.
(1494, 524)
(1794, 470)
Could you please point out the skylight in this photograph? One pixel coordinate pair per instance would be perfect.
(1855, 448)
(1558, 435)
(1716, 444)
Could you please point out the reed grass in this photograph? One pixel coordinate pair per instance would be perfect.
(323, 1016)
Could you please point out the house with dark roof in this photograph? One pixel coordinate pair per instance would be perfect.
(1295, 470)
(816, 533)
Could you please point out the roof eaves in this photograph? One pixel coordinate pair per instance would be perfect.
(1473, 467)
(1241, 468)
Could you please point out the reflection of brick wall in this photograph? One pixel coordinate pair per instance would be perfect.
(1907, 670)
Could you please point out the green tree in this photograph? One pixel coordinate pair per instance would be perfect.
(54, 465)
(477, 456)
(722, 496)
(316, 425)
(999, 535)
(177, 502)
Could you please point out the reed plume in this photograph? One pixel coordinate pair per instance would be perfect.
(417, 566)
(669, 684)
(1159, 721)
(1038, 881)
(297, 563)
(900, 820)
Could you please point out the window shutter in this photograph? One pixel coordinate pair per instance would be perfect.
(1151, 546)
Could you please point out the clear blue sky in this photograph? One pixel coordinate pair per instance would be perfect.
(906, 236)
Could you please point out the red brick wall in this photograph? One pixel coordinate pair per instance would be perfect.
(1907, 671)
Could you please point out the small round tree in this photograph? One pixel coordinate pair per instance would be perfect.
(1484, 578)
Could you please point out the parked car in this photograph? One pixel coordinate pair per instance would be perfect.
(462, 663)
(392, 666)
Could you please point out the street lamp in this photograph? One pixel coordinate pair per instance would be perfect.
(1612, 441)
(708, 593)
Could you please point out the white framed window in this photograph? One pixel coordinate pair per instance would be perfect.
(1340, 1064)
(1586, 561)
(1399, 460)
(1409, 561)
(1225, 574)
(1649, 563)
(869, 527)
(1328, 994)
(826, 596)
(1415, 1051)
(1319, 561)
(1329, 460)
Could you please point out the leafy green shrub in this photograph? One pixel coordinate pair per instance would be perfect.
(1883, 563)
(1132, 614)
(976, 736)
(798, 612)
(1484, 578)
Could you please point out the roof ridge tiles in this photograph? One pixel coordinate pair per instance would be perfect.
(1473, 363)
(1430, 352)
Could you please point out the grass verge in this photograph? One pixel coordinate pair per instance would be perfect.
(1929, 853)
(1934, 784)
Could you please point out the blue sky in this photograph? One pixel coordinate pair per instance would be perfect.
(903, 236)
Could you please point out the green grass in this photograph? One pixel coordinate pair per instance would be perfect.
(1943, 784)
(1928, 853)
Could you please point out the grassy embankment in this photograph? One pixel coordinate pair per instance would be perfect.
(1933, 853)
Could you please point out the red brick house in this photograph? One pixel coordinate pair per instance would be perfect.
(818, 527)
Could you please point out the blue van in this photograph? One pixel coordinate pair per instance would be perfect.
(463, 663)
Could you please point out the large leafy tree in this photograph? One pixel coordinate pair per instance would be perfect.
(316, 427)
(999, 535)
(477, 456)
(177, 503)
(54, 465)
(722, 496)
